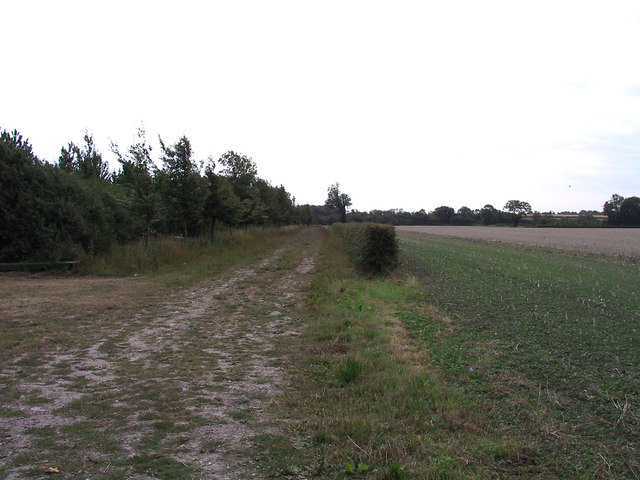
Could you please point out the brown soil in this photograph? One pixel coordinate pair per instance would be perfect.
(623, 242)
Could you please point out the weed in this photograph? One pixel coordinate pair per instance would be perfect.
(350, 371)
(395, 472)
(321, 437)
(349, 468)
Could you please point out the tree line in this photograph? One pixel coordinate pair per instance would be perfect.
(57, 211)
(619, 211)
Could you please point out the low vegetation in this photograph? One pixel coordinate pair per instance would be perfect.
(546, 342)
(373, 248)
(174, 255)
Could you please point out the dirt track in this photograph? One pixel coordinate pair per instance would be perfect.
(126, 370)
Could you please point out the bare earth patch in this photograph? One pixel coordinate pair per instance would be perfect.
(599, 241)
(125, 378)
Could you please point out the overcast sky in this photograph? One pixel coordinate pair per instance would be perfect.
(407, 104)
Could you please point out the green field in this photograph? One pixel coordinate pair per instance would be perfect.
(548, 344)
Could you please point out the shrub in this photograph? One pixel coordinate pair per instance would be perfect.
(373, 247)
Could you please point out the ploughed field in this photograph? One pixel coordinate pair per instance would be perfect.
(623, 242)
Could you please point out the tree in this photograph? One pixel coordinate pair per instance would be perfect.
(517, 209)
(229, 207)
(630, 211)
(612, 209)
(489, 214)
(282, 207)
(21, 218)
(49, 214)
(464, 216)
(86, 161)
(241, 172)
(444, 214)
(137, 177)
(182, 190)
(338, 201)
(304, 214)
(212, 204)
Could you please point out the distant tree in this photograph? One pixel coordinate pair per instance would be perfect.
(338, 201)
(464, 216)
(324, 215)
(488, 214)
(630, 212)
(421, 217)
(612, 209)
(86, 161)
(281, 207)
(517, 209)
(444, 214)
(304, 214)
(182, 184)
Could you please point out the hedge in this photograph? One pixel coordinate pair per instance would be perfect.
(373, 247)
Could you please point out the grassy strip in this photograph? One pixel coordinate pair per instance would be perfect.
(167, 255)
(372, 404)
(549, 341)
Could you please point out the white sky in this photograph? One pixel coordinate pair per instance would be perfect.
(408, 104)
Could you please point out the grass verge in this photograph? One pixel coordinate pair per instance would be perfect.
(371, 401)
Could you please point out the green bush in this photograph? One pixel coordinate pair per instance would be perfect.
(373, 247)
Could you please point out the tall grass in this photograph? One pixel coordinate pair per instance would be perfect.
(174, 254)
